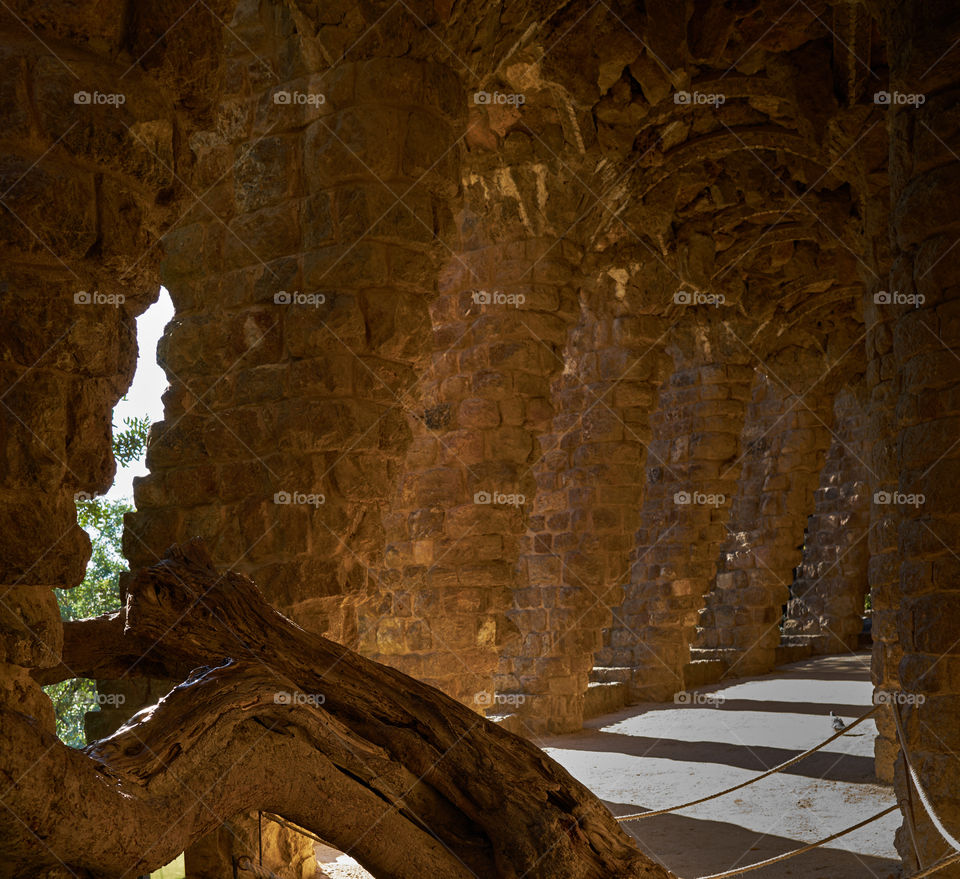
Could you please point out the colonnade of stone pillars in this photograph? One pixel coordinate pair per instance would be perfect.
(576, 550)
(784, 445)
(920, 360)
(692, 470)
(827, 603)
(453, 534)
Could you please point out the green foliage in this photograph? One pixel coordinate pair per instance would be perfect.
(130, 444)
(71, 700)
(99, 593)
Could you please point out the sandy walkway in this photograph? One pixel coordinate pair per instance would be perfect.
(656, 755)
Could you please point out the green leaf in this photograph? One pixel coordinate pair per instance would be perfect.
(129, 445)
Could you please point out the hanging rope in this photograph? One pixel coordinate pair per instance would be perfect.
(799, 851)
(934, 817)
(638, 815)
(939, 865)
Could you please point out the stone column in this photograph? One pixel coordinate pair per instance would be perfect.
(919, 508)
(827, 604)
(453, 535)
(86, 150)
(575, 557)
(784, 446)
(692, 469)
(301, 288)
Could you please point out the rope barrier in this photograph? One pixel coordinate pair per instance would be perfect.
(246, 863)
(649, 814)
(939, 865)
(799, 851)
(934, 817)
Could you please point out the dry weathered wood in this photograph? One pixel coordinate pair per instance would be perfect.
(409, 781)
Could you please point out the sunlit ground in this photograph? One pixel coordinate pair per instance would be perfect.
(653, 756)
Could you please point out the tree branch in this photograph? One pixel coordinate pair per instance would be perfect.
(409, 781)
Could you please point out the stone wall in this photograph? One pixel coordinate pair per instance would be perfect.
(498, 495)
(89, 180)
(301, 289)
(914, 571)
(826, 608)
(576, 550)
(784, 443)
(692, 472)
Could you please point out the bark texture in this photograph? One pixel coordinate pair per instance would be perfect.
(272, 717)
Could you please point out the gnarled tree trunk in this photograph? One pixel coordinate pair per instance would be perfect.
(272, 717)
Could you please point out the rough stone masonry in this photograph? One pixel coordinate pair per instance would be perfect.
(520, 347)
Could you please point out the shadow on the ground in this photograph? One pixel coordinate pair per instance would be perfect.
(715, 846)
(826, 765)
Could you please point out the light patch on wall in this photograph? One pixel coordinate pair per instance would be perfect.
(620, 278)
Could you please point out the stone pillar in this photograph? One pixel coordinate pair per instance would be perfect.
(301, 290)
(784, 443)
(576, 551)
(919, 508)
(301, 283)
(692, 469)
(827, 604)
(86, 151)
(453, 535)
